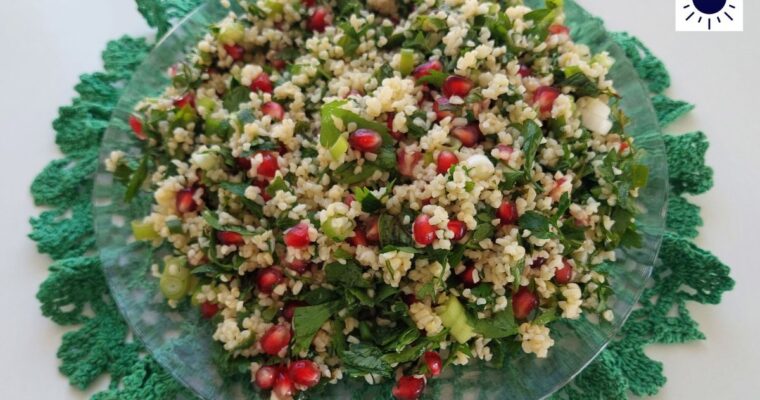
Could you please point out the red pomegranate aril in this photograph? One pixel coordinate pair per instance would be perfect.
(409, 299)
(262, 83)
(524, 302)
(407, 160)
(290, 309)
(408, 388)
(235, 51)
(456, 85)
(209, 310)
(274, 110)
(230, 238)
(297, 236)
(504, 152)
(309, 3)
(623, 147)
(359, 238)
(389, 123)
(283, 387)
(458, 228)
(267, 279)
(266, 376)
(468, 276)
(275, 339)
(538, 262)
(279, 64)
(469, 134)
(423, 230)
(299, 266)
(187, 99)
(185, 202)
(433, 362)
(443, 108)
(524, 71)
(262, 185)
(508, 212)
(373, 230)
(320, 19)
(544, 98)
(269, 165)
(244, 163)
(446, 159)
(137, 127)
(304, 373)
(563, 275)
(365, 140)
(349, 199)
(556, 29)
(423, 70)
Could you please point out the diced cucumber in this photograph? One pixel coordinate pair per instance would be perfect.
(406, 64)
(231, 33)
(175, 279)
(144, 231)
(274, 6)
(454, 317)
(339, 148)
(205, 160)
(207, 103)
(338, 227)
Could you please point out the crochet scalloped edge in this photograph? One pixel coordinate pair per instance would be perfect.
(75, 292)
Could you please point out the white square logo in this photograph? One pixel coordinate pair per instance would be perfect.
(709, 15)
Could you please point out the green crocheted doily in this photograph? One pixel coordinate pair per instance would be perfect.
(75, 293)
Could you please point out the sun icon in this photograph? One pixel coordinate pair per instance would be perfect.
(709, 11)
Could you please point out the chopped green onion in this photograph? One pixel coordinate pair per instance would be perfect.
(339, 148)
(274, 6)
(174, 225)
(338, 227)
(406, 65)
(454, 317)
(144, 231)
(207, 103)
(175, 280)
(231, 33)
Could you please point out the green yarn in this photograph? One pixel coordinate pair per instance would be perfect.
(75, 292)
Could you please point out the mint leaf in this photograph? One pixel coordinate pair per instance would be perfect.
(347, 275)
(367, 199)
(500, 325)
(537, 223)
(362, 359)
(308, 320)
(235, 97)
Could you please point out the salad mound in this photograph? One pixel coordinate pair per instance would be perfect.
(379, 190)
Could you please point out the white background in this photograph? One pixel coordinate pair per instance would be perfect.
(46, 44)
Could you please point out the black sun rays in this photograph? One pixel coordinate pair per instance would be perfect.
(709, 11)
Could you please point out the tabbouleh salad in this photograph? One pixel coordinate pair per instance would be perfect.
(380, 189)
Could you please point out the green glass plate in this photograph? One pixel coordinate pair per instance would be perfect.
(181, 342)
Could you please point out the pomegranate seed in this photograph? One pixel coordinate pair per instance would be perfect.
(504, 152)
(456, 85)
(408, 388)
(373, 230)
(409, 299)
(349, 199)
(274, 110)
(299, 266)
(433, 362)
(267, 279)
(230, 238)
(443, 108)
(558, 190)
(423, 70)
(283, 387)
(290, 309)
(297, 237)
(185, 202)
(359, 238)
(563, 275)
(244, 163)
(365, 140)
(268, 166)
(137, 127)
(320, 19)
(623, 147)
(524, 302)
(469, 134)
(262, 185)
(389, 123)
(423, 230)
(538, 262)
(458, 228)
(304, 373)
(266, 376)
(187, 99)
(407, 160)
(208, 310)
(262, 83)
(446, 159)
(468, 276)
(235, 51)
(544, 98)
(275, 339)
(525, 71)
(309, 3)
(508, 212)
(556, 29)
(279, 64)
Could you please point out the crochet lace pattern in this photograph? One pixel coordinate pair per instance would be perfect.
(75, 294)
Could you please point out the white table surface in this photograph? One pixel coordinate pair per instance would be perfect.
(46, 44)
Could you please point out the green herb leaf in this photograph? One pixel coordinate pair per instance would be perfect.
(347, 275)
(308, 320)
(137, 179)
(510, 179)
(345, 173)
(238, 189)
(500, 325)
(533, 135)
(435, 78)
(362, 359)
(367, 199)
(277, 185)
(235, 97)
(392, 232)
